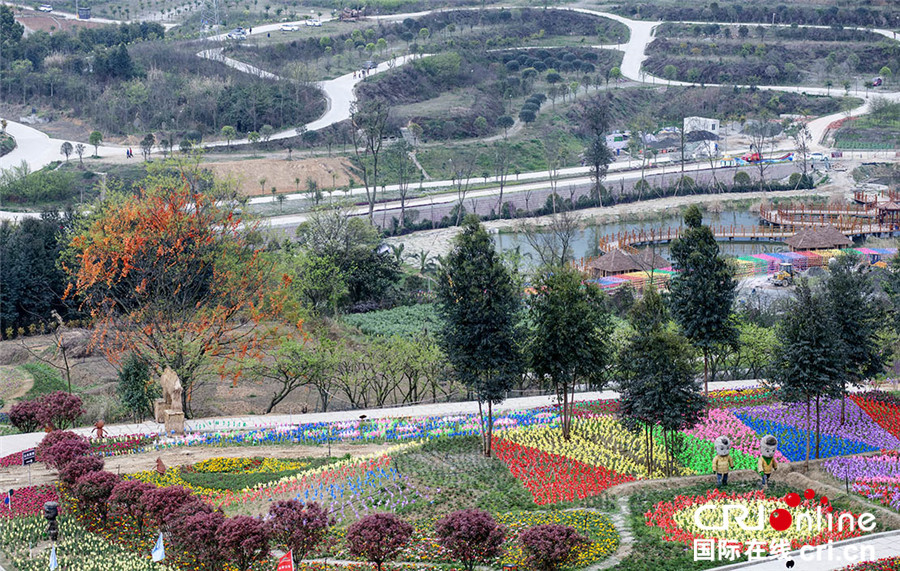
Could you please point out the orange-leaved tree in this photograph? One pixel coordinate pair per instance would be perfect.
(169, 274)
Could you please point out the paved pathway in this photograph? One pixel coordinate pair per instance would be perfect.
(38, 151)
(626, 539)
(842, 554)
(17, 442)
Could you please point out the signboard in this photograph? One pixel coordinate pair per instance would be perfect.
(27, 457)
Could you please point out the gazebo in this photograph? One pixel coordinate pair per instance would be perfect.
(818, 238)
(619, 261)
(889, 213)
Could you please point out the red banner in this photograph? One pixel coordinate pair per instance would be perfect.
(286, 563)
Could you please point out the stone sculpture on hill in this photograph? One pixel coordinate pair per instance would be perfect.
(168, 409)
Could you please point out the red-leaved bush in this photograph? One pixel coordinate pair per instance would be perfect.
(60, 447)
(93, 490)
(80, 466)
(378, 537)
(161, 503)
(550, 546)
(126, 501)
(471, 536)
(244, 541)
(59, 410)
(24, 416)
(298, 527)
(194, 530)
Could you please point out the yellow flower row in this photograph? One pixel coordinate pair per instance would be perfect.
(600, 441)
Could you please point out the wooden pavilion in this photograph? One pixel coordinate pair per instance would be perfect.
(889, 213)
(818, 238)
(619, 261)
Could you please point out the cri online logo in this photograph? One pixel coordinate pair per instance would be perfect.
(781, 519)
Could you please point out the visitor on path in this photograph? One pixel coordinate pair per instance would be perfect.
(722, 462)
(768, 445)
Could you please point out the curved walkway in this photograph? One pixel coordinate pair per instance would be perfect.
(37, 150)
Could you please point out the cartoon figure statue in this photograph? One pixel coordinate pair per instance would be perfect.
(722, 462)
(768, 444)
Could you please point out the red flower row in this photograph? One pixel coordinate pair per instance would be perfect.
(886, 414)
(552, 478)
(28, 501)
(663, 516)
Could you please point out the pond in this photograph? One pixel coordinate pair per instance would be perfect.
(586, 240)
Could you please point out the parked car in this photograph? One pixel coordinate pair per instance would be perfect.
(315, 23)
(237, 34)
(877, 82)
(370, 65)
(289, 27)
(45, 8)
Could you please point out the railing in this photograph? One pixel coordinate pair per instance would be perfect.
(638, 237)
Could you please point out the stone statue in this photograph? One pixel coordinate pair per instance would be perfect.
(168, 409)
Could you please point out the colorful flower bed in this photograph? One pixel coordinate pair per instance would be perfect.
(857, 425)
(29, 501)
(876, 477)
(884, 408)
(552, 478)
(77, 550)
(700, 449)
(886, 564)
(743, 396)
(676, 519)
(600, 441)
(245, 465)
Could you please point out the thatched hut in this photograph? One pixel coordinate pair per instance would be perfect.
(621, 262)
(818, 238)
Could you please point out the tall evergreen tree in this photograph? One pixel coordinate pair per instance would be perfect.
(657, 384)
(702, 293)
(570, 336)
(135, 387)
(857, 318)
(809, 362)
(479, 304)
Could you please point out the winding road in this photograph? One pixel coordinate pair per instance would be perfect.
(37, 149)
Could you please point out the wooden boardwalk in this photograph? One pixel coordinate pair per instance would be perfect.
(740, 233)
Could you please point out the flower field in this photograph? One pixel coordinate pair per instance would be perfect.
(887, 564)
(876, 477)
(431, 466)
(78, 549)
(29, 501)
(676, 519)
(552, 478)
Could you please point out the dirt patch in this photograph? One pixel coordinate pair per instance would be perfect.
(17, 476)
(14, 383)
(328, 172)
(40, 22)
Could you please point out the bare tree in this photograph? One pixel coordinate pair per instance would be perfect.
(799, 132)
(369, 121)
(399, 158)
(554, 156)
(553, 242)
(461, 171)
(79, 150)
(501, 168)
(762, 140)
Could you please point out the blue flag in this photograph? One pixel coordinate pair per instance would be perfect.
(53, 563)
(159, 551)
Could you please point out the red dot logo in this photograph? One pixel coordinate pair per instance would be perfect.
(824, 500)
(780, 519)
(809, 494)
(792, 499)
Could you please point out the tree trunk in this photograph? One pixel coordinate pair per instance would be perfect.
(818, 434)
(843, 403)
(706, 372)
(806, 465)
(490, 428)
